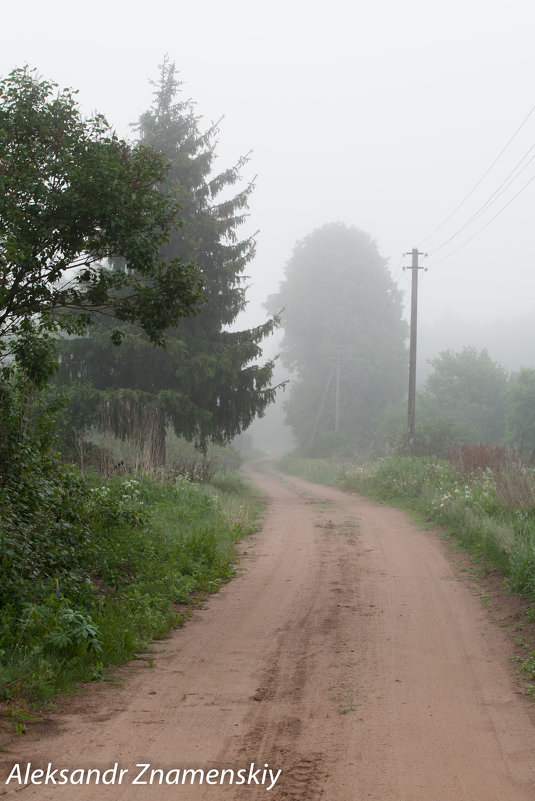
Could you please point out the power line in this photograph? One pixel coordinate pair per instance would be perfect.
(503, 187)
(486, 224)
(469, 195)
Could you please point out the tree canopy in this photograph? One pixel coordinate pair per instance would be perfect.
(470, 390)
(521, 410)
(72, 195)
(207, 382)
(340, 303)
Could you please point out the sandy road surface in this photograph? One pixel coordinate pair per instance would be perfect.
(346, 654)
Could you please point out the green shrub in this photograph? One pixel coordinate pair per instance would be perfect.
(91, 570)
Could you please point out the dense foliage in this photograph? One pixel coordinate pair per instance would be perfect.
(44, 527)
(521, 410)
(73, 194)
(467, 398)
(340, 302)
(205, 382)
(469, 390)
(90, 570)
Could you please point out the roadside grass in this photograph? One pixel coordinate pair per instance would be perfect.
(319, 471)
(475, 506)
(485, 498)
(489, 510)
(153, 548)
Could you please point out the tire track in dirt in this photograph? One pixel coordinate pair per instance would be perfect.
(346, 654)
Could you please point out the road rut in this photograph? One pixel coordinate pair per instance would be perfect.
(347, 654)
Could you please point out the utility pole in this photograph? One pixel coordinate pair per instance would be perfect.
(412, 348)
(337, 394)
(322, 404)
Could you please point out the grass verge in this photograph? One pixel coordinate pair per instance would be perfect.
(319, 471)
(474, 506)
(489, 509)
(151, 547)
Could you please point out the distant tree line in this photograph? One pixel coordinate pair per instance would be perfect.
(470, 398)
(346, 342)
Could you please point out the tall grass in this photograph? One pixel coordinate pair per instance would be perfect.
(485, 495)
(320, 471)
(153, 548)
(110, 455)
(490, 509)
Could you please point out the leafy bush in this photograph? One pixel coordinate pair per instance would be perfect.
(44, 527)
(90, 571)
(58, 628)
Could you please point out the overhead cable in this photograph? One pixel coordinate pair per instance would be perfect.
(503, 187)
(498, 157)
(466, 242)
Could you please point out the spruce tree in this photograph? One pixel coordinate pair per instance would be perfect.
(205, 382)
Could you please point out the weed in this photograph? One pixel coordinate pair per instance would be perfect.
(346, 701)
(18, 719)
(529, 665)
(148, 545)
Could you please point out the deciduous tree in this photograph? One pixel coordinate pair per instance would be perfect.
(470, 390)
(521, 410)
(72, 195)
(340, 303)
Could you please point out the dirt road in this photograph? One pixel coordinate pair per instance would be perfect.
(347, 654)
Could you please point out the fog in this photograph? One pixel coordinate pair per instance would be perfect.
(383, 115)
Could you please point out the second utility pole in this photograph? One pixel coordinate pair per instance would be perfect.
(337, 394)
(412, 349)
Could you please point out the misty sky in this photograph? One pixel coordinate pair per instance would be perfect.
(381, 114)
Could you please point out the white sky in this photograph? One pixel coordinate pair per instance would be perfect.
(379, 113)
